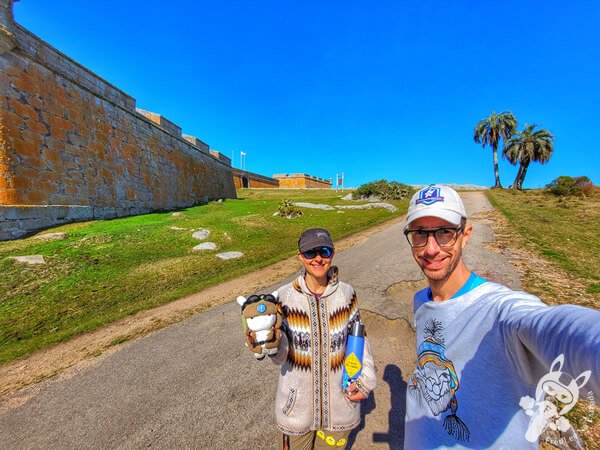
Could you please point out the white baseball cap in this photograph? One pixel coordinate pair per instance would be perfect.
(438, 201)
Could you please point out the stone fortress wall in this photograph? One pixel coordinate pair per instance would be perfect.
(245, 179)
(301, 181)
(74, 147)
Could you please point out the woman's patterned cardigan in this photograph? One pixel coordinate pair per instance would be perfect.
(311, 355)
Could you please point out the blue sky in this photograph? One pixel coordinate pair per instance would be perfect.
(388, 89)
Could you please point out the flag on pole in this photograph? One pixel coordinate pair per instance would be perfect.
(242, 153)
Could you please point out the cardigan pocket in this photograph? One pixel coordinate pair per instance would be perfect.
(289, 404)
(352, 404)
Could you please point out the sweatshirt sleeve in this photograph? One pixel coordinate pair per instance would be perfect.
(280, 357)
(282, 350)
(367, 379)
(537, 335)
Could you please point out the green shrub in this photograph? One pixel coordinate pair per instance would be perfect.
(384, 190)
(288, 210)
(565, 186)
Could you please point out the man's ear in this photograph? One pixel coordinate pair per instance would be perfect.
(466, 235)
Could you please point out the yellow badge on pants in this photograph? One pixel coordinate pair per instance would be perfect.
(330, 440)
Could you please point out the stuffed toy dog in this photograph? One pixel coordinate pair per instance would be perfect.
(263, 318)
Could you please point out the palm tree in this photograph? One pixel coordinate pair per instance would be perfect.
(528, 146)
(490, 130)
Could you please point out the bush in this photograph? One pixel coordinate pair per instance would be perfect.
(288, 210)
(565, 186)
(384, 190)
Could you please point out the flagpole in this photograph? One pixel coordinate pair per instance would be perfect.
(243, 160)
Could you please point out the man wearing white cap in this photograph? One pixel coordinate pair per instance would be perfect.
(492, 351)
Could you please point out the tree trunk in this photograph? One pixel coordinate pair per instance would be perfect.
(515, 184)
(523, 173)
(496, 171)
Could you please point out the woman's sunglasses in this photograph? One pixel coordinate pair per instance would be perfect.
(323, 252)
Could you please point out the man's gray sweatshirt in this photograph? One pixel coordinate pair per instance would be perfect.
(487, 360)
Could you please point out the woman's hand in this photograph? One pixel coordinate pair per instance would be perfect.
(354, 394)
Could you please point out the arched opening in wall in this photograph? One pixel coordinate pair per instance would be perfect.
(245, 182)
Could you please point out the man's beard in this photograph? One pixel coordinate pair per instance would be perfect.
(444, 274)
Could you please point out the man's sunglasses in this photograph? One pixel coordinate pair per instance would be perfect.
(323, 252)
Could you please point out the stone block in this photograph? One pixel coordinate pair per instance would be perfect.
(196, 142)
(161, 121)
(36, 224)
(221, 157)
(79, 213)
(17, 234)
(19, 212)
(6, 235)
(29, 259)
(229, 255)
(205, 246)
(51, 236)
(105, 213)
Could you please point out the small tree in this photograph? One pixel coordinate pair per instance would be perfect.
(491, 130)
(528, 146)
(288, 210)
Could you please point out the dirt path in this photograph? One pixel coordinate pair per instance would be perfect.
(81, 351)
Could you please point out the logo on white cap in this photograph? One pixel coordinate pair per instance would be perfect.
(436, 201)
(429, 196)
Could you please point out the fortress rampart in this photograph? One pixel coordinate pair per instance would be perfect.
(244, 179)
(74, 147)
(301, 181)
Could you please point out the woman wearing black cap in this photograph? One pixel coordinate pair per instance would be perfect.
(312, 408)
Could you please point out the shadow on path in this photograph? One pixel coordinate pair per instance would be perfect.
(395, 435)
(366, 407)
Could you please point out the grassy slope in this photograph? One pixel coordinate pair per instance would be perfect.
(106, 270)
(562, 230)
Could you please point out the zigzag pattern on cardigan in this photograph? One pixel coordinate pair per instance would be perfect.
(299, 335)
(340, 324)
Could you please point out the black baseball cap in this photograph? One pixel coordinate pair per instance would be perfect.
(314, 237)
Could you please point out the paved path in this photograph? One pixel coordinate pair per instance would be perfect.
(194, 385)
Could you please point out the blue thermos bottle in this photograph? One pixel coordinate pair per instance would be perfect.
(354, 354)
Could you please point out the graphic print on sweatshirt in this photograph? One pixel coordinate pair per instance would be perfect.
(435, 380)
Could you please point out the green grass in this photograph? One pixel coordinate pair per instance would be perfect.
(106, 270)
(564, 230)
